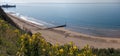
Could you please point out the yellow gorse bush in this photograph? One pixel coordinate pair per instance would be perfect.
(16, 31)
(36, 45)
(61, 50)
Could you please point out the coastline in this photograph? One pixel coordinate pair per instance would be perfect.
(58, 35)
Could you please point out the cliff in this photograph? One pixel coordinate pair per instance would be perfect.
(4, 16)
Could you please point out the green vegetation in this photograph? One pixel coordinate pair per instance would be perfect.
(8, 39)
(106, 52)
(35, 45)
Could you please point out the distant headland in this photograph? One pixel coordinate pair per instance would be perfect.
(7, 6)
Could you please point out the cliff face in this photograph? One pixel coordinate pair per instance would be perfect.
(4, 16)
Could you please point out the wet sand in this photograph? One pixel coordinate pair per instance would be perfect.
(63, 36)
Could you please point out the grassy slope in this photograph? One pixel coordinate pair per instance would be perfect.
(8, 39)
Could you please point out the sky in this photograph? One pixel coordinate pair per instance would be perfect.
(59, 1)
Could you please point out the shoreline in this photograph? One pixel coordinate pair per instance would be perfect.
(58, 35)
(88, 30)
(91, 31)
(101, 32)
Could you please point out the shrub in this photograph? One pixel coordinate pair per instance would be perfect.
(9, 36)
(35, 45)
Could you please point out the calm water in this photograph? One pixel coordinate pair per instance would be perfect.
(92, 19)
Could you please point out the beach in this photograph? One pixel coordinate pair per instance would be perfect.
(63, 36)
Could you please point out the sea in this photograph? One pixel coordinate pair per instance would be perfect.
(102, 19)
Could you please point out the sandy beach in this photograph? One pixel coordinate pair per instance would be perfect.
(63, 36)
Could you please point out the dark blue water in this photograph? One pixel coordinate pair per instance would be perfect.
(92, 19)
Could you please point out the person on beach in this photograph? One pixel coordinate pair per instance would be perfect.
(66, 35)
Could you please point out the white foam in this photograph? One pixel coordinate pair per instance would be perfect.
(12, 13)
(35, 20)
(29, 19)
(25, 18)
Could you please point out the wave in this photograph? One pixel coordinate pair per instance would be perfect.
(30, 19)
(27, 19)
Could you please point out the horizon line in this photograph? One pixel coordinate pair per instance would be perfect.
(64, 2)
